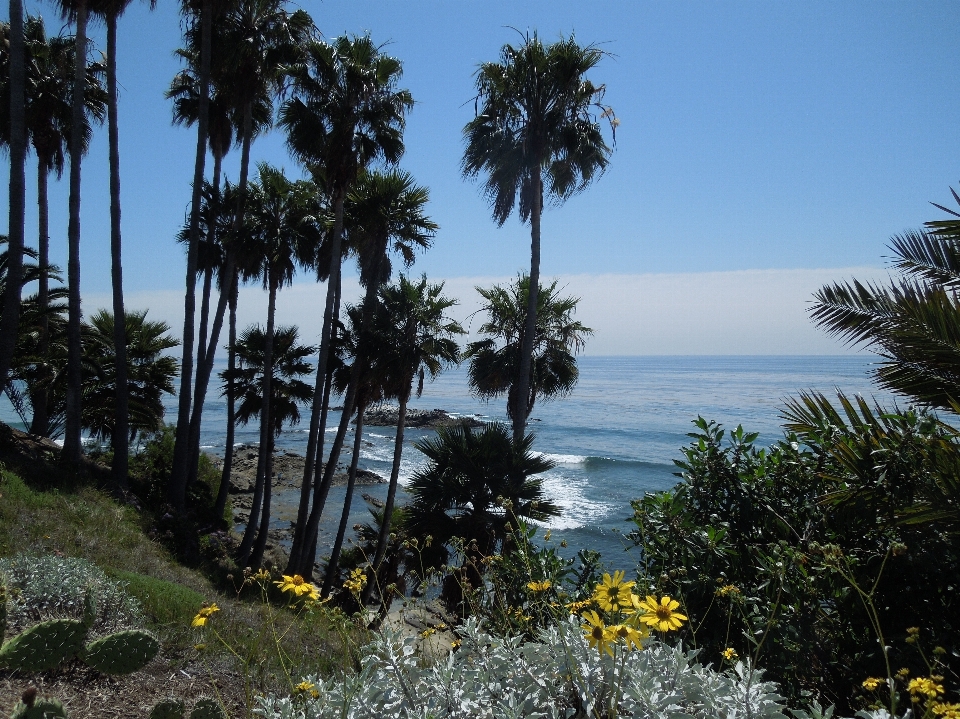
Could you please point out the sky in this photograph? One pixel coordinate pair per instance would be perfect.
(764, 149)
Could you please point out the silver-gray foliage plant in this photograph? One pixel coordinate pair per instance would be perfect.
(558, 675)
(52, 587)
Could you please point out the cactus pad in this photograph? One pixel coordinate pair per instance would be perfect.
(207, 709)
(168, 709)
(43, 646)
(40, 708)
(121, 653)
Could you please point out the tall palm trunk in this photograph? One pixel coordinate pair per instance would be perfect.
(10, 319)
(121, 430)
(177, 490)
(383, 538)
(71, 441)
(256, 559)
(301, 546)
(356, 372)
(263, 485)
(40, 399)
(530, 326)
(206, 350)
(331, 573)
(231, 403)
(321, 391)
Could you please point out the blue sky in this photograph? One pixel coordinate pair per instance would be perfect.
(754, 136)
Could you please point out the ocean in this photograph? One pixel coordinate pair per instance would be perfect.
(613, 439)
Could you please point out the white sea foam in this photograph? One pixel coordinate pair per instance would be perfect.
(562, 458)
(576, 509)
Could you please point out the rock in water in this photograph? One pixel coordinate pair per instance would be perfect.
(389, 416)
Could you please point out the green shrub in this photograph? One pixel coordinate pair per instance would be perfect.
(164, 603)
(52, 587)
(769, 549)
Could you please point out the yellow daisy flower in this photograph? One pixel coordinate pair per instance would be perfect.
(871, 683)
(597, 634)
(204, 614)
(661, 615)
(946, 711)
(539, 586)
(304, 687)
(631, 637)
(297, 585)
(613, 594)
(729, 654)
(926, 686)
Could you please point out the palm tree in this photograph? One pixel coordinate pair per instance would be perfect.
(10, 318)
(346, 111)
(225, 122)
(385, 210)
(76, 10)
(494, 361)
(257, 40)
(475, 484)
(914, 322)
(150, 373)
(417, 340)
(278, 224)
(537, 131)
(370, 388)
(48, 116)
(251, 382)
(110, 11)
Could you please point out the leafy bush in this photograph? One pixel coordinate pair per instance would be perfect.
(165, 603)
(814, 556)
(47, 587)
(558, 675)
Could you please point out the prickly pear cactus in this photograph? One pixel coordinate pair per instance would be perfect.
(207, 709)
(121, 653)
(31, 706)
(43, 646)
(168, 709)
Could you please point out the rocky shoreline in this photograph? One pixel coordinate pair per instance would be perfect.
(287, 474)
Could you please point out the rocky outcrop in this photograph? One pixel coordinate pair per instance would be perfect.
(389, 415)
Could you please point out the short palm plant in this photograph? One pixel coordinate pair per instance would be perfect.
(495, 361)
(475, 483)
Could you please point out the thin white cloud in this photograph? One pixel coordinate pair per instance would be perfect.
(746, 312)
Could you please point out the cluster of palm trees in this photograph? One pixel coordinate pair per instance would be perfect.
(249, 65)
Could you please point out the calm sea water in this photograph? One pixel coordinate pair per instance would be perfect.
(614, 439)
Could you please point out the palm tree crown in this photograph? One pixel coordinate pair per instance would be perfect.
(538, 116)
(914, 322)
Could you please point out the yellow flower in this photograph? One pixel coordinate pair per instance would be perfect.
(539, 586)
(596, 633)
(729, 653)
(356, 582)
(575, 607)
(631, 637)
(913, 630)
(427, 632)
(947, 711)
(727, 589)
(455, 643)
(871, 683)
(199, 647)
(262, 575)
(304, 687)
(903, 673)
(925, 686)
(204, 614)
(298, 586)
(661, 616)
(613, 594)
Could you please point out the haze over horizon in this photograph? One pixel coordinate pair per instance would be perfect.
(764, 150)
